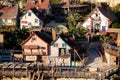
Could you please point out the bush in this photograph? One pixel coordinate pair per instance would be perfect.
(115, 25)
(96, 37)
(104, 38)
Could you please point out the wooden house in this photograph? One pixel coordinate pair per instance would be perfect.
(60, 52)
(99, 19)
(36, 47)
(31, 19)
(62, 9)
(111, 54)
(49, 50)
(8, 16)
(41, 5)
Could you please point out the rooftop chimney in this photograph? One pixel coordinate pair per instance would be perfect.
(53, 34)
(39, 1)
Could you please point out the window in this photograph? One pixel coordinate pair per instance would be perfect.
(63, 45)
(23, 26)
(103, 28)
(33, 38)
(36, 20)
(55, 45)
(62, 51)
(5, 20)
(96, 27)
(29, 23)
(29, 14)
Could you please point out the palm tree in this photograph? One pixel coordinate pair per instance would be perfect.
(73, 29)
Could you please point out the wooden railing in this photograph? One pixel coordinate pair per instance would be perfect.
(84, 74)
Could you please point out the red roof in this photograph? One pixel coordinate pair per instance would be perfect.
(5, 9)
(9, 12)
(29, 6)
(33, 4)
(44, 5)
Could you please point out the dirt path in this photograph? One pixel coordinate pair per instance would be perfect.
(95, 60)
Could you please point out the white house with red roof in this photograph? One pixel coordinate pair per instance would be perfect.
(31, 19)
(9, 15)
(99, 19)
(41, 5)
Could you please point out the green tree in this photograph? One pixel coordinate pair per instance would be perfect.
(13, 39)
(116, 10)
(73, 29)
(54, 1)
(115, 25)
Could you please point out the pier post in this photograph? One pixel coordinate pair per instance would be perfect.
(26, 71)
(13, 69)
(33, 76)
(29, 75)
(119, 58)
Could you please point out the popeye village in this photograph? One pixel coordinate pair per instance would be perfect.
(59, 39)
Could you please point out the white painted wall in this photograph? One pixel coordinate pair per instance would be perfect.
(29, 20)
(104, 20)
(87, 23)
(7, 22)
(54, 56)
(55, 50)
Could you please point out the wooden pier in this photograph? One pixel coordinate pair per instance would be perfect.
(33, 71)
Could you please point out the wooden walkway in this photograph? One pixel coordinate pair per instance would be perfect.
(53, 72)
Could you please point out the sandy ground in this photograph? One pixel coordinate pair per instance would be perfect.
(73, 79)
(15, 79)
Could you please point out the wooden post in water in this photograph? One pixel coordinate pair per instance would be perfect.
(3, 70)
(42, 78)
(26, 71)
(38, 72)
(33, 76)
(13, 69)
(29, 75)
(38, 77)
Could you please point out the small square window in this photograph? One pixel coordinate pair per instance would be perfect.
(55, 45)
(29, 14)
(29, 23)
(63, 45)
(36, 20)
